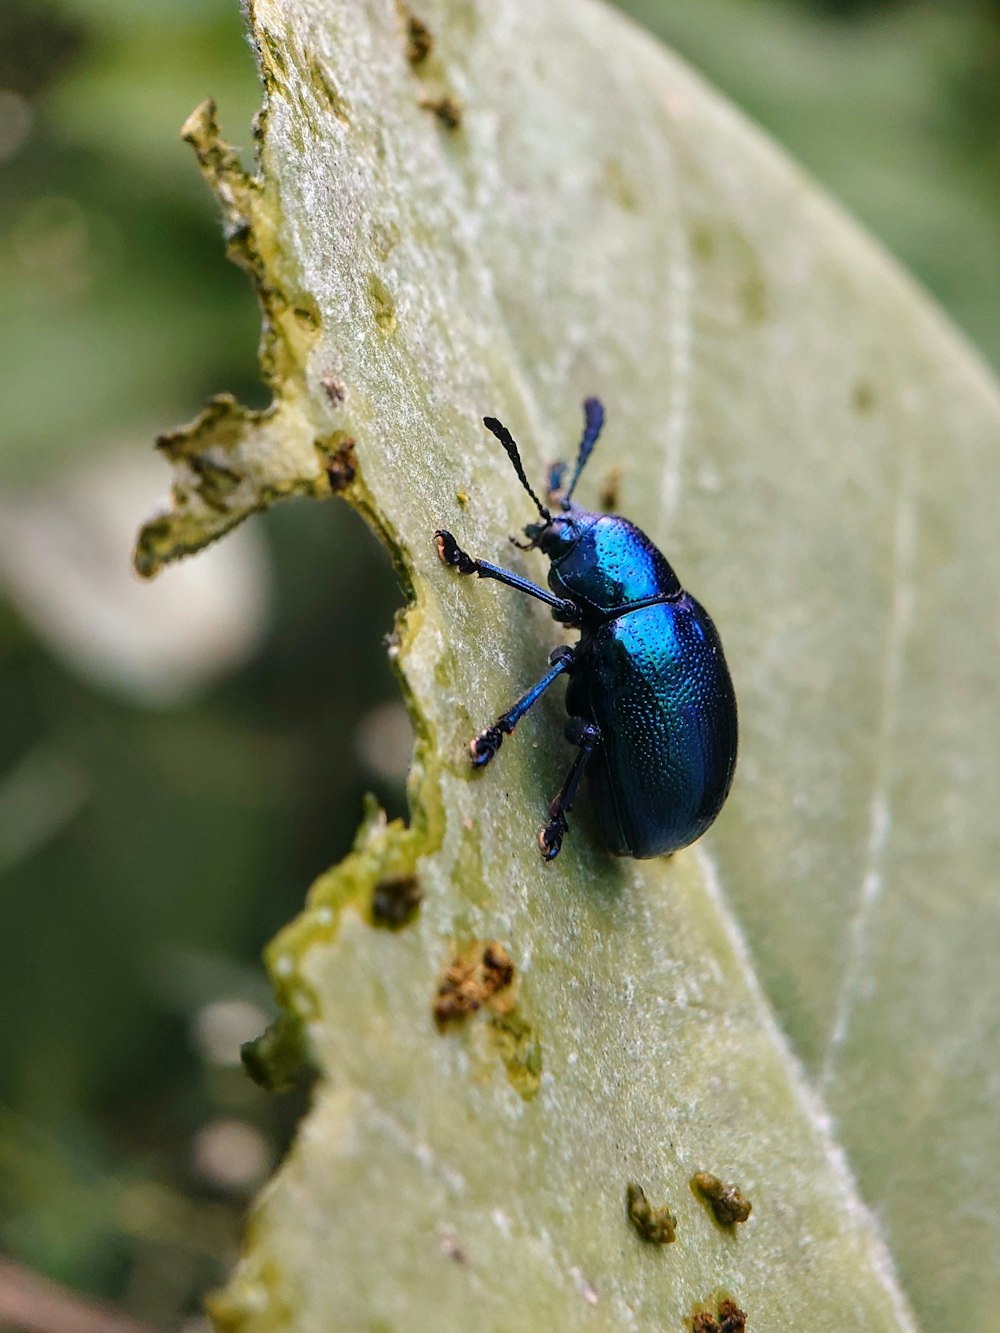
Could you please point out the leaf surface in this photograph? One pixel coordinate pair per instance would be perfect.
(548, 205)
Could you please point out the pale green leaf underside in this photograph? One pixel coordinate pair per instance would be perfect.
(817, 453)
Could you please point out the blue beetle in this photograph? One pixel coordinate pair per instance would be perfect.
(650, 700)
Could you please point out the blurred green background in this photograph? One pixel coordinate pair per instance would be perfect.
(179, 760)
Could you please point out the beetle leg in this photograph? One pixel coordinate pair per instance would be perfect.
(452, 554)
(485, 745)
(585, 734)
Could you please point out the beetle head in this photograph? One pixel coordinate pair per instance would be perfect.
(560, 533)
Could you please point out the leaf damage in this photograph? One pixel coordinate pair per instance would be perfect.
(231, 460)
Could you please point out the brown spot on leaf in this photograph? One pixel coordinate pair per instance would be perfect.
(726, 1201)
(333, 389)
(447, 109)
(657, 1225)
(731, 1318)
(610, 491)
(727, 1317)
(497, 967)
(471, 980)
(419, 42)
(482, 977)
(395, 901)
(342, 466)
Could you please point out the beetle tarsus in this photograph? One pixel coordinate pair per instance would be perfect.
(550, 837)
(452, 554)
(484, 746)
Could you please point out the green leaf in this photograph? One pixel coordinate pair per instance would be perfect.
(546, 205)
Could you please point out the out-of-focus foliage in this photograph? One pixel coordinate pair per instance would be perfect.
(121, 938)
(114, 307)
(147, 853)
(894, 105)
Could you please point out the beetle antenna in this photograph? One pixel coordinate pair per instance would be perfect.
(593, 420)
(507, 440)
